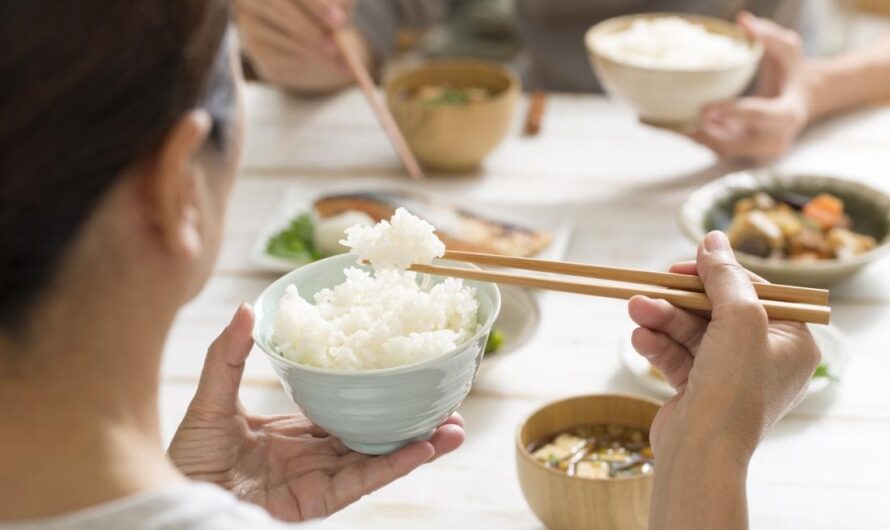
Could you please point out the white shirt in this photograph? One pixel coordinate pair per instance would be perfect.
(187, 506)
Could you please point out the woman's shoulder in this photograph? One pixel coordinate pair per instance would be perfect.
(186, 506)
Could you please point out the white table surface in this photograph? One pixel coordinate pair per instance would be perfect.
(826, 466)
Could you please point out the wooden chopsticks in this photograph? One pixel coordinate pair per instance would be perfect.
(363, 78)
(536, 104)
(767, 291)
(782, 302)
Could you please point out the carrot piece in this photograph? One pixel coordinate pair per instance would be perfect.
(825, 209)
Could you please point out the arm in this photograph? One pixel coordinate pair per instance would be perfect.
(700, 484)
(848, 80)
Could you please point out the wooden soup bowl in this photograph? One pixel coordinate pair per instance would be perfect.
(562, 502)
(454, 137)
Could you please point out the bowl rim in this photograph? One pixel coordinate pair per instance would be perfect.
(692, 226)
(513, 82)
(524, 453)
(590, 36)
(276, 357)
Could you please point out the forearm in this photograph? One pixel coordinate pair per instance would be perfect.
(699, 485)
(848, 80)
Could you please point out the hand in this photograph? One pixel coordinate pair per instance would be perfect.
(284, 463)
(289, 42)
(764, 126)
(735, 375)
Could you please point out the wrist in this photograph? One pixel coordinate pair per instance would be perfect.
(837, 84)
(704, 436)
(700, 482)
(813, 82)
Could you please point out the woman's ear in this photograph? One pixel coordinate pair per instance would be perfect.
(172, 186)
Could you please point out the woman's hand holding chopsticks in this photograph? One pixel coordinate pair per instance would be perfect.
(290, 43)
(736, 375)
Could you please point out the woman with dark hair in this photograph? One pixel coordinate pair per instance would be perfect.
(120, 131)
(119, 138)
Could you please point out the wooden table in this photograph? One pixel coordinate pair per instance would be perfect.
(824, 467)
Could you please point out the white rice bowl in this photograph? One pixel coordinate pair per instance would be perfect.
(672, 43)
(381, 319)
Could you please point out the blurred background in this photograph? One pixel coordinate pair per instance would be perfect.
(486, 29)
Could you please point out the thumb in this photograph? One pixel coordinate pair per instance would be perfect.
(726, 283)
(221, 377)
(779, 43)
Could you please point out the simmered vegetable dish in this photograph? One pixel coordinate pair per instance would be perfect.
(796, 228)
(597, 451)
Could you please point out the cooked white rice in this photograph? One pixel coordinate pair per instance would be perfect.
(380, 319)
(672, 43)
(395, 244)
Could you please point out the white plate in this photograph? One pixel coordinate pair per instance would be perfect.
(830, 341)
(556, 219)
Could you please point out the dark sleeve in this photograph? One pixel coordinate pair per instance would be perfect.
(380, 20)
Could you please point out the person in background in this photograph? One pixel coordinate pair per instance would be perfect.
(118, 151)
(288, 43)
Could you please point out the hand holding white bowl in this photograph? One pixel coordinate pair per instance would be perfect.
(285, 463)
(765, 125)
(384, 356)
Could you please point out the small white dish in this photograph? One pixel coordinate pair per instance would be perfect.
(829, 338)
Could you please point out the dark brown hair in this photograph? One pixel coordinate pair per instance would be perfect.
(87, 89)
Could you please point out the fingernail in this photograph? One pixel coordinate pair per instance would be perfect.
(716, 241)
(334, 15)
(235, 316)
(239, 312)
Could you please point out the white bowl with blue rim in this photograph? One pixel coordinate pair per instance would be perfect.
(375, 411)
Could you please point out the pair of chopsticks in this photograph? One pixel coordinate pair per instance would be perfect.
(363, 78)
(782, 302)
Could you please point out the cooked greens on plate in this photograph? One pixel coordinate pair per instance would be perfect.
(824, 371)
(295, 242)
